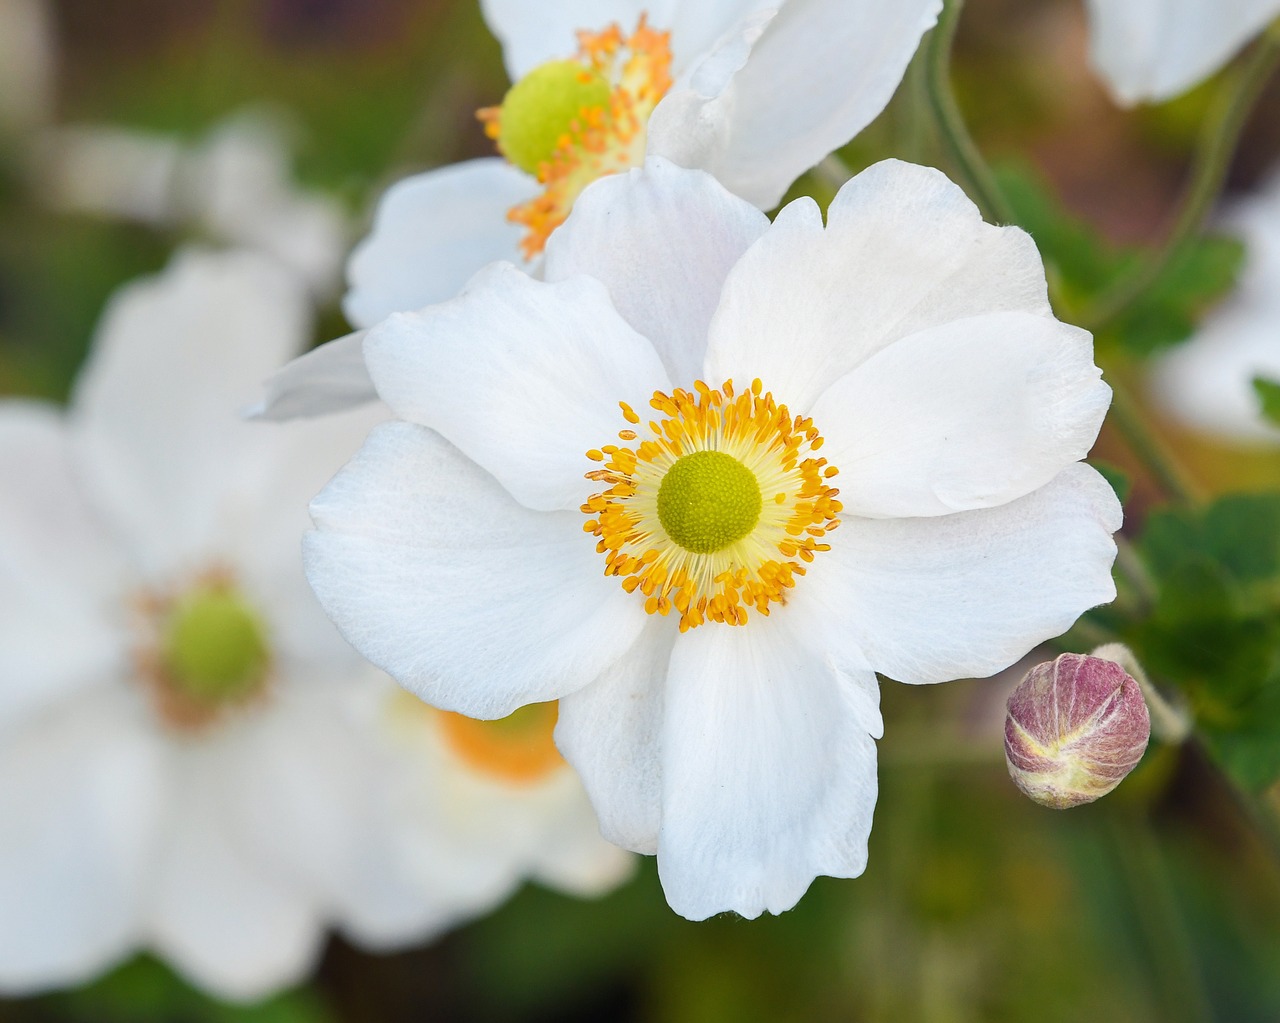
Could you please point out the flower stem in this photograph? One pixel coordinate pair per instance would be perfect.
(978, 179)
(1218, 140)
(1147, 446)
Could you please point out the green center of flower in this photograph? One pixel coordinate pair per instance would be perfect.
(708, 500)
(541, 109)
(215, 645)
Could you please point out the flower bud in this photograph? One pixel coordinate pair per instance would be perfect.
(1074, 729)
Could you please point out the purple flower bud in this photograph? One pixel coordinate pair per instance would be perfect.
(1075, 728)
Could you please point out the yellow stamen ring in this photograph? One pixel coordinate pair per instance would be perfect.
(570, 129)
(719, 510)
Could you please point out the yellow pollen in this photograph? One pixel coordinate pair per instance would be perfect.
(684, 521)
(579, 120)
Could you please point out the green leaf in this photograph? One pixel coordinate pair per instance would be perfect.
(1269, 394)
(1083, 266)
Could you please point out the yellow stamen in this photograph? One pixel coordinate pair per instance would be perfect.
(599, 138)
(751, 570)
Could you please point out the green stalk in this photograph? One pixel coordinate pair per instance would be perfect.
(1219, 138)
(979, 182)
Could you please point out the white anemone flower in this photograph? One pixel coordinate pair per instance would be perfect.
(615, 487)
(1207, 383)
(485, 805)
(1148, 51)
(234, 186)
(754, 91)
(192, 761)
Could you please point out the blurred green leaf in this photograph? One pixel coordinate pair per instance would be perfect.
(1269, 395)
(1083, 265)
(144, 990)
(1215, 628)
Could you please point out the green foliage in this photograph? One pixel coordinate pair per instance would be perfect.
(145, 991)
(1215, 625)
(1083, 266)
(1269, 395)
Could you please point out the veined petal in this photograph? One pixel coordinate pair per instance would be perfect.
(1153, 50)
(467, 598)
(768, 775)
(969, 414)
(820, 72)
(79, 798)
(967, 594)
(60, 575)
(662, 240)
(522, 376)
(432, 232)
(904, 249)
(330, 378)
(156, 408)
(610, 733)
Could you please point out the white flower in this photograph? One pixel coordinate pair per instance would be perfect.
(754, 91)
(913, 339)
(1207, 382)
(483, 805)
(1152, 50)
(235, 186)
(191, 758)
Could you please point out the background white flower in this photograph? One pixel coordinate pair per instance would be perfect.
(1152, 50)
(235, 186)
(762, 90)
(1207, 383)
(451, 550)
(224, 828)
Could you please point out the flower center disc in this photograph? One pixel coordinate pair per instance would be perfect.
(708, 500)
(718, 511)
(569, 122)
(215, 647)
(546, 105)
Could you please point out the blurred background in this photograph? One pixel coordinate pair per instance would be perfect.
(1160, 903)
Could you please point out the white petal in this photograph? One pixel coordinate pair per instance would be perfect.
(573, 857)
(1207, 383)
(231, 925)
(79, 794)
(970, 414)
(156, 409)
(609, 733)
(820, 73)
(432, 232)
(472, 601)
(330, 378)
(1153, 50)
(904, 249)
(768, 775)
(965, 595)
(662, 240)
(524, 377)
(61, 581)
(532, 34)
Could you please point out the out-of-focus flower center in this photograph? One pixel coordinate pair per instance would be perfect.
(569, 122)
(519, 748)
(718, 510)
(207, 651)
